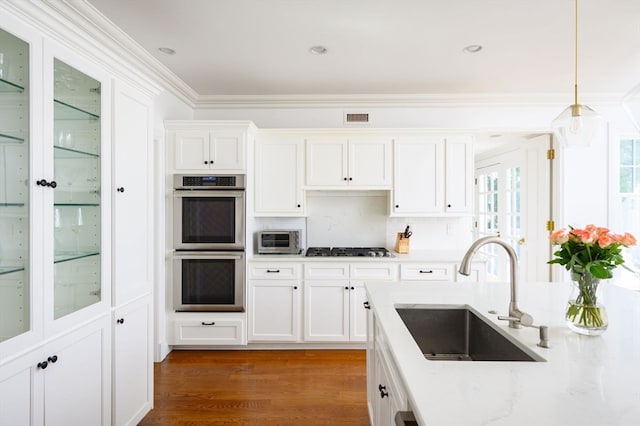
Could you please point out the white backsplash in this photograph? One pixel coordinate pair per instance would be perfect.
(347, 218)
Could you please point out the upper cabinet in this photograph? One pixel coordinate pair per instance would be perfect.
(433, 176)
(362, 162)
(15, 198)
(279, 165)
(202, 145)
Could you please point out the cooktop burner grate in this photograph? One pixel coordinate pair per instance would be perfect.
(348, 252)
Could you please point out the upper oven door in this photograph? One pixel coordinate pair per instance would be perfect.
(209, 220)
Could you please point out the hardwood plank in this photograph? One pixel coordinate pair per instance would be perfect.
(296, 387)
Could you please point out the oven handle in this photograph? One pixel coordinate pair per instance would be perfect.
(208, 255)
(190, 193)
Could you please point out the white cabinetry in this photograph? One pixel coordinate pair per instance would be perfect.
(65, 382)
(132, 262)
(355, 163)
(386, 395)
(209, 329)
(334, 296)
(203, 145)
(427, 271)
(279, 165)
(132, 362)
(275, 302)
(432, 176)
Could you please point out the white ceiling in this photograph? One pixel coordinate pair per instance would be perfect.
(261, 47)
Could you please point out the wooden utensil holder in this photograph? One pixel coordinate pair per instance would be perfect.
(402, 244)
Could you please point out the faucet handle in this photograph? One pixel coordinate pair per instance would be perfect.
(544, 337)
(524, 319)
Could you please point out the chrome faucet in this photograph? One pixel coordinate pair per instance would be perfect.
(516, 318)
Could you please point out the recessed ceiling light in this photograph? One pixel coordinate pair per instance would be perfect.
(472, 48)
(318, 50)
(166, 50)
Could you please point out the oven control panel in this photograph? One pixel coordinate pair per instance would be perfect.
(208, 181)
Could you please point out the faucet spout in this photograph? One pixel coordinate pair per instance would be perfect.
(516, 316)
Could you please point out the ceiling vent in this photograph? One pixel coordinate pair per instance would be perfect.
(361, 118)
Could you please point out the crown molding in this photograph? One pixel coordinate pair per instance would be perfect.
(398, 100)
(78, 25)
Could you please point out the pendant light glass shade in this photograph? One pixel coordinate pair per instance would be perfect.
(578, 124)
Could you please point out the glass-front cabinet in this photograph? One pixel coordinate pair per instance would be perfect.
(15, 294)
(52, 221)
(76, 200)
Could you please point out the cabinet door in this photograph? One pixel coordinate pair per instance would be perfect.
(357, 312)
(419, 177)
(227, 150)
(16, 390)
(274, 310)
(20, 213)
(327, 163)
(326, 311)
(459, 175)
(370, 163)
(132, 363)
(192, 150)
(76, 380)
(78, 209)
(132, 217)
(278, 177)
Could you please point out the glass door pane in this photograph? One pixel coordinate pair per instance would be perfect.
(76, 211)
(15, 297)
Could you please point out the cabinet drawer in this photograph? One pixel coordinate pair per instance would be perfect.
(326, 270)
(275, 271)
(374, 271)
(428, 272)
(209, 331)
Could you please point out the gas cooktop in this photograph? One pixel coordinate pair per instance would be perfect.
(348, 252)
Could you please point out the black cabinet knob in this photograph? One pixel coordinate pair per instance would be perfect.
(350, 178)
(345, 179)
(42, 365)
(295, 287)
(121, 189)
(346, 287)
(206, 162)
(43, 182)
(366, 304)
(298, 205)
(53, 359)
(120, 320)
(449, 205)
(352, 288)
(397, 206)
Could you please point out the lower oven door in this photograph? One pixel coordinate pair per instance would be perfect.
(208, 281)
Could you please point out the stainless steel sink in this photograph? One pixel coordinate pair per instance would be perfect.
(459, 333)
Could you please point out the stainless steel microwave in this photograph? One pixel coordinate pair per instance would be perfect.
(279, 242)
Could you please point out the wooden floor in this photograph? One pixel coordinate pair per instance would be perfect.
(301, 387)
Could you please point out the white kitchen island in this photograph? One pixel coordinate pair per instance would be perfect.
(584, 380)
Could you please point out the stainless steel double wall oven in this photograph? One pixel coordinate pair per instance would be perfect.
(209, 243)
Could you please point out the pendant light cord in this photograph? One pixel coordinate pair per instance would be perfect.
(575, 78)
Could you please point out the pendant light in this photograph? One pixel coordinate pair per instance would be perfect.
(578, 124)
(631, 104)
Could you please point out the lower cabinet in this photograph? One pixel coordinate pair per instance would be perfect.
(209, 329)
(65, 382)
(385, 393)
(133, 362)
(275, 313)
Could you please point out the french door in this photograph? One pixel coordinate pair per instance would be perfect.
(513, 202)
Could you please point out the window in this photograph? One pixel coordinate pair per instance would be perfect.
(629, 208)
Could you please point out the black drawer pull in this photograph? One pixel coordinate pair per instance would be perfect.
(208, 323)
(42, 365)
(366, 304)
(273, 271)
(429, 271)
(53, 359)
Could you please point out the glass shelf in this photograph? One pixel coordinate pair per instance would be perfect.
(76, 205)
(10, 139)
(4, 270)
(70, 256)
(9, 87)
(65, 111)
(69, 153)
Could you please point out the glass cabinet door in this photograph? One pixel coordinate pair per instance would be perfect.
(76, 209)
(15, 296)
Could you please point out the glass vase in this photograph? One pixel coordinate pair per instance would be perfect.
(585, 312)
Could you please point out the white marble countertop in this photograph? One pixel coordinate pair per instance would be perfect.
(585, 380)
(449, 256)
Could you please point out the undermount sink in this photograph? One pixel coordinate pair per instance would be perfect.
(459, 333)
